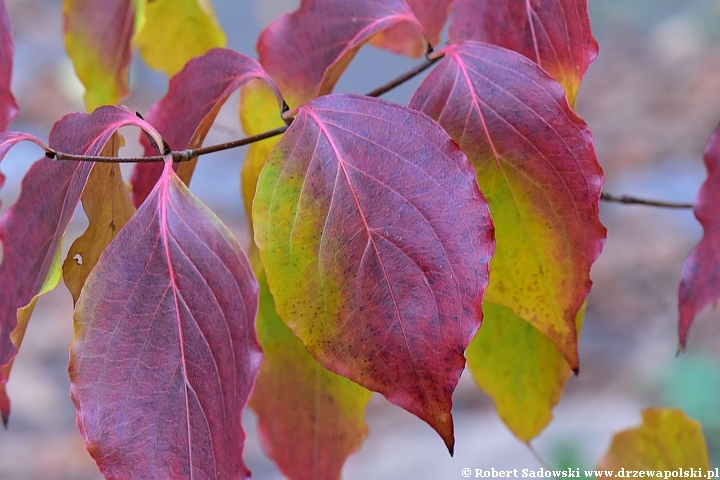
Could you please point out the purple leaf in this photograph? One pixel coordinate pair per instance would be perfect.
(376, 242)
(32, 229)
(186, 113)
(165, 354)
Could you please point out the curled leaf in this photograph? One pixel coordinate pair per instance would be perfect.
(307, 50)
(405, 38)
(186, 113)
(107, 204)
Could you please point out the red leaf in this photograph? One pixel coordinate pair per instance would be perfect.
(307, 50)
(376, 242)
(700, 283)
(165, 353)
(8, 107)
(309, 419)
(405, 39)
(537, 167)
(186, 113)
(98, 36)
(555, 34)
(32, 229)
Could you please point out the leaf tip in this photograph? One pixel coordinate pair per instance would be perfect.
(576, 371)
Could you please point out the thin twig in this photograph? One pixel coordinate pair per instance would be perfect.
(178, 156)
(403, 78)
(629, 200)
(188, 154)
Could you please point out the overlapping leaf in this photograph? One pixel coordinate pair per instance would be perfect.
(166, 354)
(97, 38)
(306, 51)
(309, 418)
(666, 440)
(257, 115)
(536, 165)
(376, 242)
(700, 283)
(519, 368)
(107, 204)
(8, 107)
(186, 113)
(405, 38)
(32, 229)
(171, 32)
(555, 34)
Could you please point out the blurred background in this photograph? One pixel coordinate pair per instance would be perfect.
(652, 99)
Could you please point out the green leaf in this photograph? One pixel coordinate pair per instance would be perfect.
(521, 369)
(97, 39)
(309, 418)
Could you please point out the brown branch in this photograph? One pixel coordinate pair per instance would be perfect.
(188, 154)
(429, 62)
(629, 200)
(178, 156)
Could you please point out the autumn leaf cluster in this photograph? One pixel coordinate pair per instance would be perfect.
(384, 235)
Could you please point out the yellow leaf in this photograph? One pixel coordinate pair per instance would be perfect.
(97, 40)
(108, 206)
(666, 439)
(309, 418)
(258, 113)
(520, 368)
(174, 31)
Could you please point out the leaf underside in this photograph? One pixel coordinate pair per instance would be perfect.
(405, 38)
